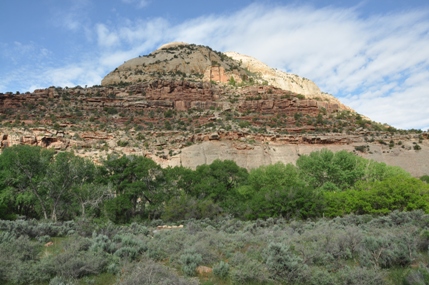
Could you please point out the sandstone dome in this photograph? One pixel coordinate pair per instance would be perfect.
(177, 60)
(184, 61)
(172, 44)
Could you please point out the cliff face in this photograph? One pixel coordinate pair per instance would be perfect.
(252, 155)
(284, 80)
(256, 104)
(202, 64)
(188, 105)
(277, 78)
(247, 149)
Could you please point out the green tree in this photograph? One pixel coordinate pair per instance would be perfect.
(277, 190)
(274, 176)
(378, 171)
(186, 207)
(86, 189)
(91, 195)
(401, 193)
(218, 182)
(25, 169)
(36, 180)
(231, 81)
(329, 170)
(135, 180)
(66, 172)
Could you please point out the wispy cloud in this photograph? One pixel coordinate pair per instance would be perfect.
(138, 3)
(378, 65)
(74, 17)
(105, 37)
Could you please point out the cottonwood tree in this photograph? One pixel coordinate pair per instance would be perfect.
(333, 171)
(67, 172)
(91, 195)
(277, 190)
(37, 174)
(25, 169)
(135, 180)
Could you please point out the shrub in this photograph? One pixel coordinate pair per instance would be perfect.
(18, 262)
(221, 269)
(244, 124)
(44, 239)
(122, 143)
(127, 252)
(100, 243)
(190, 260)
(34, 229)
(417, 277)
(386, 249)
(322, 277)
(131, 241)
(361, 276)
(59, 280)
(248, 271)
(73, 264)
(361, 148)
(137, 228)
(75, 261)
(156, 254)
(148, 272)
(425, 178)
(284, 265)
(6, 237)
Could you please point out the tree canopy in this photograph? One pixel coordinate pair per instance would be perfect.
(37, 183)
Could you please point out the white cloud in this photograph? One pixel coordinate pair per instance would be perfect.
(105, 37)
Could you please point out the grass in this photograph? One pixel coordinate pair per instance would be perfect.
(57, 247)
(102, 279)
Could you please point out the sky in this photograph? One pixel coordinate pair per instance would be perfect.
(371, 54)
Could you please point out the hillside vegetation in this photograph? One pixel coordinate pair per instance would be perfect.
(334, 218)
(38, 184)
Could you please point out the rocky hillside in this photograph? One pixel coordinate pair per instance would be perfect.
(187, 105)
(201, 63)
(179, 61)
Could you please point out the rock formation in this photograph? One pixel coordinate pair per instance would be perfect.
(284, 80)
(178, 60)
(187, 105)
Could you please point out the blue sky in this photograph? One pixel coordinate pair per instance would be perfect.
(372, 54)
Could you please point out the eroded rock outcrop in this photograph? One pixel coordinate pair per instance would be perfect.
(284, 80)
(200, 63)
